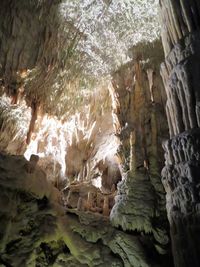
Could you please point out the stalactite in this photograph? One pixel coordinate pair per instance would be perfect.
(34, 115)
(150, 78)
(133, 165)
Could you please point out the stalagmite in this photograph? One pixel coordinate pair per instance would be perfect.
(106, 210)
(34, 116)
(31, 165)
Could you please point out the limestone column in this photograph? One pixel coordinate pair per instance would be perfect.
(181, 175)
(141, 125)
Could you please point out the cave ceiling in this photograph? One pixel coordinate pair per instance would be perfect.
(57, 60)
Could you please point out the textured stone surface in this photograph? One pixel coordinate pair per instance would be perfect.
(181, 181)
(14, 123)
(181, 77)
(178, 18)
(141, 126)
(35, 230)
(180, 72)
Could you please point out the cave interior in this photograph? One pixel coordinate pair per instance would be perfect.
(99, 133)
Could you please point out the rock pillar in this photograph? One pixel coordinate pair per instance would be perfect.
(181, 76)
(141, 126)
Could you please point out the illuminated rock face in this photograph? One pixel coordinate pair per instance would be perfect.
(180, 71)
(14, 123)
(92, 148)
(139, 109)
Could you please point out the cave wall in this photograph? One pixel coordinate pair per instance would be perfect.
(141, 125)
(36, 230)
(181, 74)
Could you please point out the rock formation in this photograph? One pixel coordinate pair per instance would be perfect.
(82, 98)
(36, 230)
(139, 111)
(180, 71)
